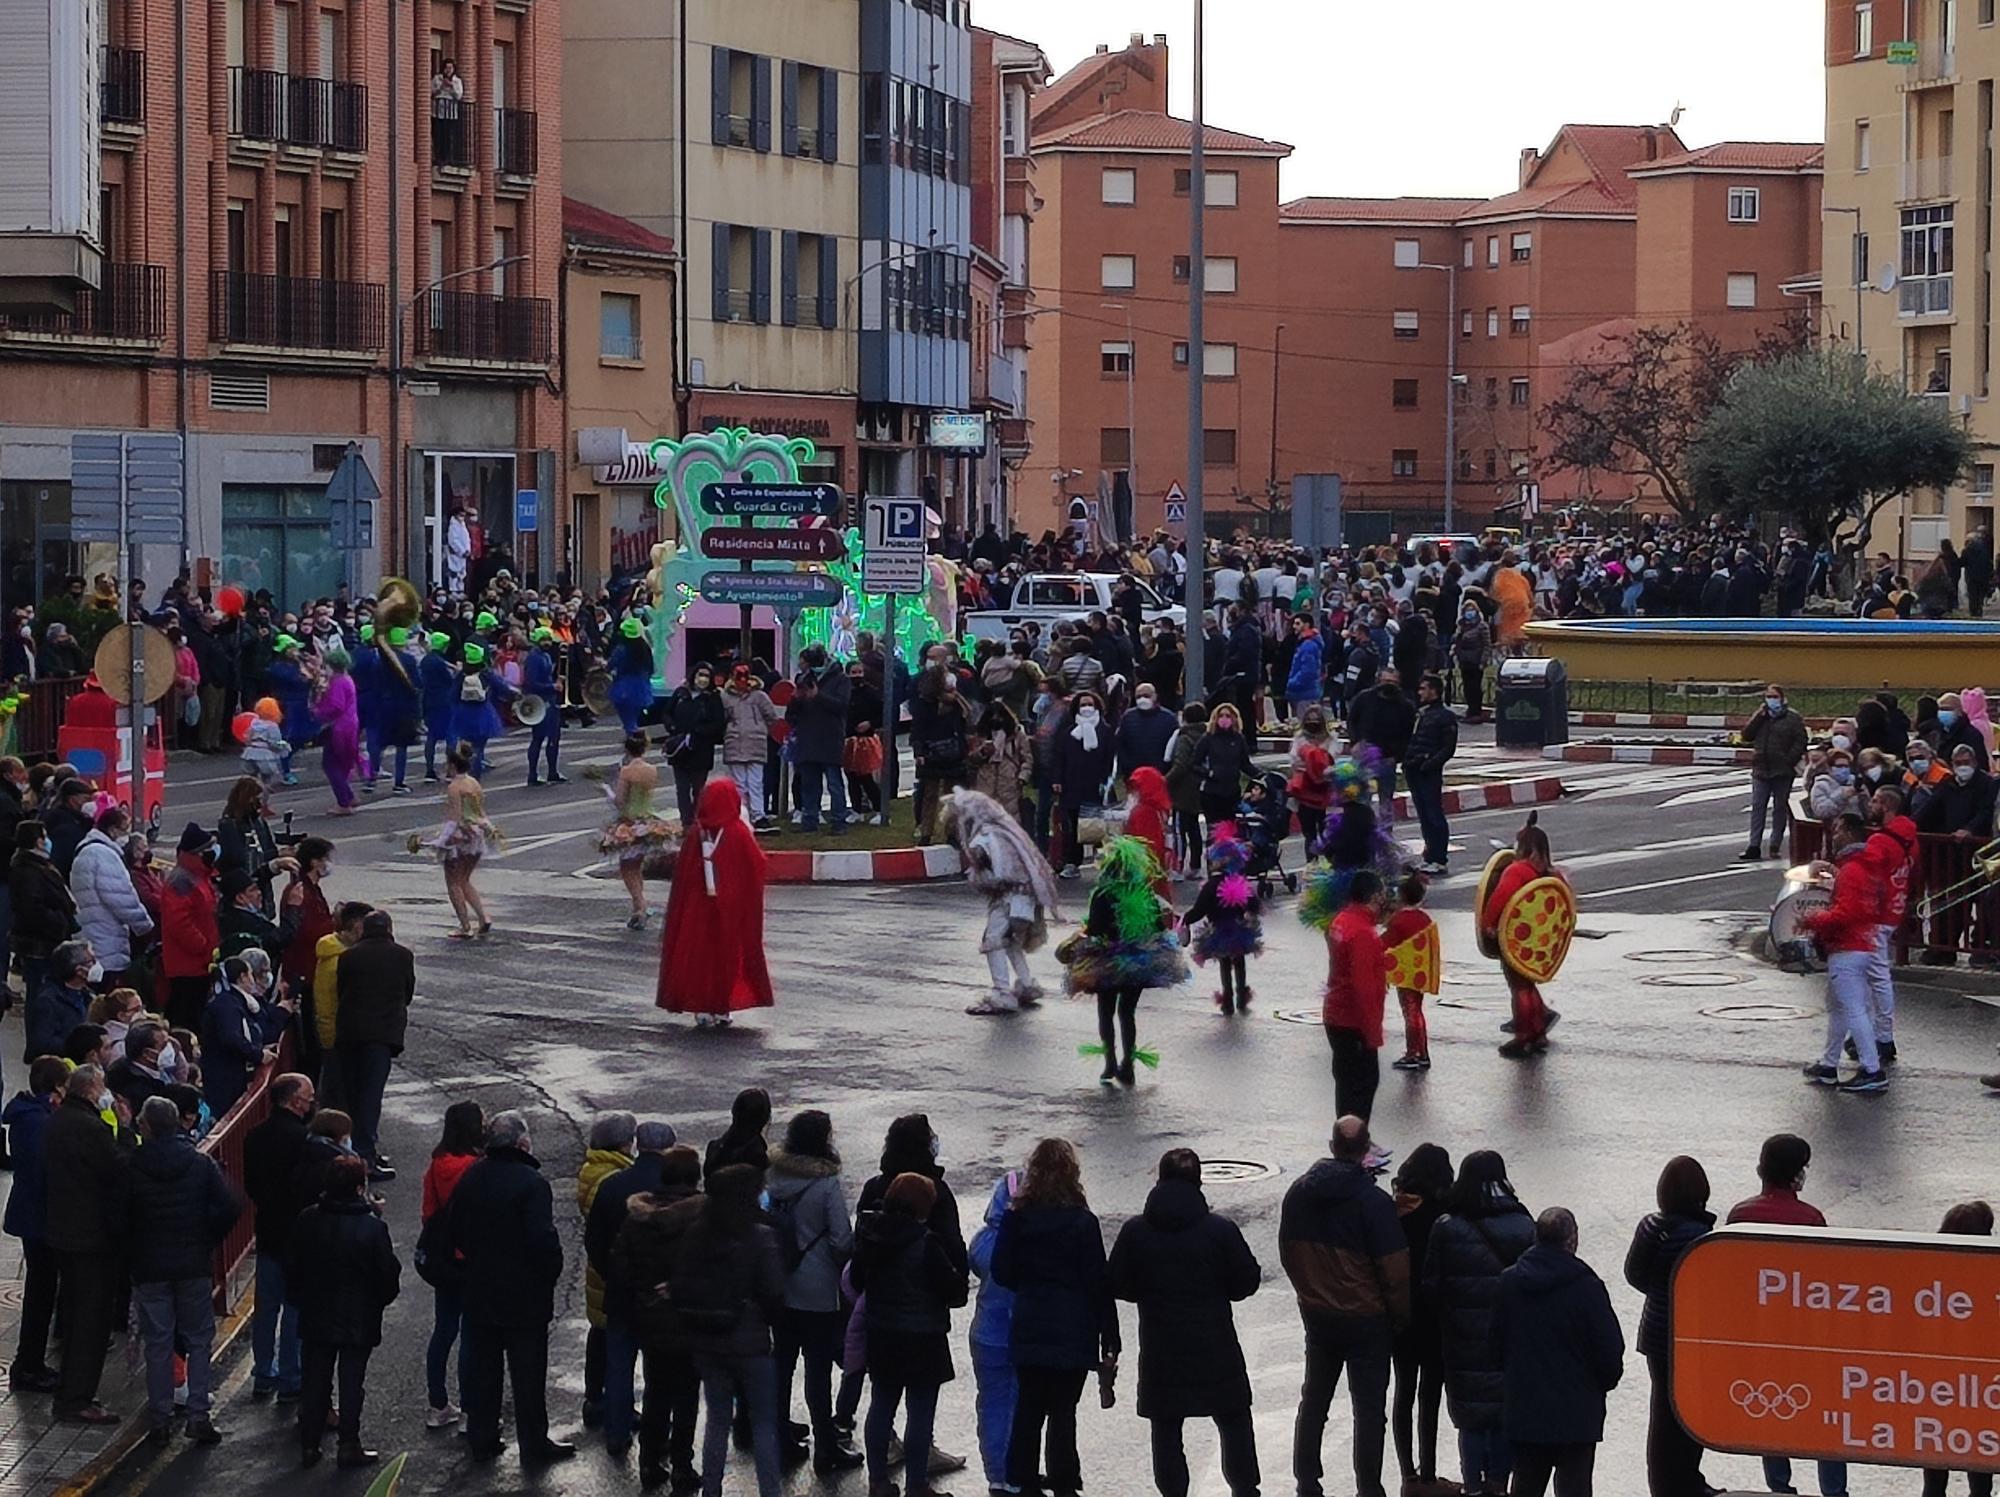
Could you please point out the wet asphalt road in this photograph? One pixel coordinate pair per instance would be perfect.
(1671, 1041)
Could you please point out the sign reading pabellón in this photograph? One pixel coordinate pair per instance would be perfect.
(1831, 1346)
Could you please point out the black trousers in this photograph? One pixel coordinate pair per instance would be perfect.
(317, 1363)
(1570, 1465)
(1121, 1004)
(1978, 1483)
(593, 1365)
(1413, 1417)
(1673, 1459)
(817, 1335)
(89, 1293)
(668, 1411)
(1239, 1455)
(1471, 678)
(1049, 1396)
(1359, 1347)
(1357, 1071)
(38, 1305)
(521, 1353)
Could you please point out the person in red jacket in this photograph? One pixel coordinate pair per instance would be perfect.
(1846, 933)
(1893, 849)
(1357, 986)
(1149, 813)
(188, 925)
(462, 1144)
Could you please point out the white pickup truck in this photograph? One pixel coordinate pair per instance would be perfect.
(1049, 598)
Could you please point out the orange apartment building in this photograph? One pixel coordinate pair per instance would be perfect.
(1336, 322)
(256, 302)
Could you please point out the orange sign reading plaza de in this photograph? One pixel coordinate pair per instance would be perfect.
(1819, 1345)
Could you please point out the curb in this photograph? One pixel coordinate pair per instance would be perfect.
(1493, 797)
(1633, 753)
(1648, 720)
(887, 865)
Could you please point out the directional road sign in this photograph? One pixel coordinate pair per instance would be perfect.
(770, 498)
(146, 468)
(774, 589)
(893, 558)
(726, 544)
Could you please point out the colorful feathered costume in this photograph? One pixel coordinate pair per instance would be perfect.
(1126, 946)
(1353, 840)
(1225, 918)
(1003, 863)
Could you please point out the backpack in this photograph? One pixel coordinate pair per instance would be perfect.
(706, 1290)
(436, 1264)
(784, 1217)
(472, 689)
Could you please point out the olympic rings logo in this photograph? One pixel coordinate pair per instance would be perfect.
(1762, 1400)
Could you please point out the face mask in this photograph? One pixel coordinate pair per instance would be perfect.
(1087, 715)
(1842, 774)
(169, 1060)
(95, 975)
(1947, 718)
(1920, 767)
(1874, 773)
(1962, 773)
(1774, 705)
(1841, 741)
(48, 847)
(1146, 704)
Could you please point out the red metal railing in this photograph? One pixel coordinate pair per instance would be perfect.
(1972, 928)
(224, 1145)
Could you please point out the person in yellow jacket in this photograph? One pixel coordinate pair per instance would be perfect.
(326, 993)
(613, 1146)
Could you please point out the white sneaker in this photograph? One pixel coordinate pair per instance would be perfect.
(443, 1418)
(876, 819)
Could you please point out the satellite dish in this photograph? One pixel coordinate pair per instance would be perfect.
(1886, 279)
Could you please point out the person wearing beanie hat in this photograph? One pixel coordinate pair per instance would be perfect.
(631, 666)
(288, 682)
(475, 711)
(397, 708)
(538, 679)
(437, 686)
(365, 671)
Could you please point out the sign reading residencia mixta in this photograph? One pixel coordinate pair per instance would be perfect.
(1878, 1348)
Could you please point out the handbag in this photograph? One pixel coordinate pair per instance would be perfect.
(436, 1264)
(862, 755)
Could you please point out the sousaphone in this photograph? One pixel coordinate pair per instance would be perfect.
(398, 605)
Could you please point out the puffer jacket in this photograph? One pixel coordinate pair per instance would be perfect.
(1657, 1246)
(1462, 1271)
(44, 910)
(28, 1198)
(344, 1272)
(913, 1280)
(747, 719)
(643, 1256)
(178, 1208)
(1556, 1334)
(598, 1166)
(993, 1310)
(108, 910)
(1052, 1257)
(803, 1196)
(1220, 762)
(1342, 1245)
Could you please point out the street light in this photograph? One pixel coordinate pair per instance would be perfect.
(1452, 380)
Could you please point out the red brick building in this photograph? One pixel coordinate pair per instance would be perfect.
(251, 303)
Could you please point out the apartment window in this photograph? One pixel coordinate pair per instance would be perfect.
(503, 252)
(1742, 289)
(1404, 394)
(1180, 355)
(1743, 205)
(1117, 272)
(1403, 463)
(1517, 462)
(1986, 12)
(1409, 254)
(1181, 263)
(1470, 251)
(1114, 447)
(811, 110)
(1864, 28)
(1218, 447)
(1464, 387)
(1492, 322)
(1218, 190)
(742, 273)
(741, 99)
(1218, 361)
(1465, 462)
(1406, 324)
(1862, 151)
(1982, 473)
(1517, 323)
(809, 280)
(1927, 261)
(1014, 124)
(1218, 273)
(1465, 323)
(1120, 186)
(1115, 358)
(1860, 259)
(1492, 250)
(1523, 246)
(1492, 463)
(618, 326)
(1492, 391)
(1517, 392)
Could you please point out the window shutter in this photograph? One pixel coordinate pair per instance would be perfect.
(760, 275)
(829, 114)
(788, 107)
(719, 94)
(829, 281)
(760, 103)
(719, 241)
(788, 279)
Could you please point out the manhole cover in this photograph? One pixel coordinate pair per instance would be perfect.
(1695, 980)
(1477, 1005)
(1733, 920)
(1235, 1171)
(1296, 1016)
(1757, 1013)
(1668, 958)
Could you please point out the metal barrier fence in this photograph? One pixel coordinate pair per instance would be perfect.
(224, 1145)
(40, 717)
(1971, 929)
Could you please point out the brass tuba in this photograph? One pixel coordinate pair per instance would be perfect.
(398, 605)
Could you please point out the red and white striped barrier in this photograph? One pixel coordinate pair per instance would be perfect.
(1468, 798)
(1649, 720)
(839, 865)
(1646, 753)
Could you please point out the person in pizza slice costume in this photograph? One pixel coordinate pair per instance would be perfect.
(1003, 863)
(1224, 919)
(1416, 967)
(1126, 946)
(1527, 915)
(712, 945)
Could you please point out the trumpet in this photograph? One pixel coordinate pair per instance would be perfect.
(1984, 876)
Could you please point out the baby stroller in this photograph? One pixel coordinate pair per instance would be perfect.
(1262, 821)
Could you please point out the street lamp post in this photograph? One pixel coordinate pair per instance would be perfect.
(1450, 391)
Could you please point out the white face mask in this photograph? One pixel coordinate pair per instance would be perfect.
(1087, 715)
(1841, 741)
(1146, 704)
(1962, 773)
(95, 975)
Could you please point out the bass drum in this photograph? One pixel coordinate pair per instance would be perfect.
(1801, 897)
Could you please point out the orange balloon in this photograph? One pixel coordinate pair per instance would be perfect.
(240, 726)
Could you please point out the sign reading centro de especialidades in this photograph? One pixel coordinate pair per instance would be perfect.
(1875, 1348)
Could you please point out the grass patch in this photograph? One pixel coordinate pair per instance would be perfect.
(1736, 701)
(899, 831)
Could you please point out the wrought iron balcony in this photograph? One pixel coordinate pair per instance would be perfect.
(493, 329)
(279, 311)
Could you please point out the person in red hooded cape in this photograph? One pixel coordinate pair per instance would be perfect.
(1149, 814)
(712, 947)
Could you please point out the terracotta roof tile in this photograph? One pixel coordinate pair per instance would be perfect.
(1144, 130)
(1377, 210)
(584, 223)
(1610, 149)
(1742, 155)
(1572, 198)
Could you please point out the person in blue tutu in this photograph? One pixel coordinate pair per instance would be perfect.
(289, 683)
(631, 668)
(475, 710)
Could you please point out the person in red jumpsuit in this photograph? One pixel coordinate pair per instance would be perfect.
(1533, 1019)
(712, 945)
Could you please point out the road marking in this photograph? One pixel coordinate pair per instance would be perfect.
(1648, 849)
(1692, 797)
(1669, 883)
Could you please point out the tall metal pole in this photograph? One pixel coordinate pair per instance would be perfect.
(1197, 530)
(1451, 401)
(397, 529)
(1277, 373)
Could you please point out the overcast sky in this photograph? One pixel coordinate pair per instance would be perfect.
(1437, 97)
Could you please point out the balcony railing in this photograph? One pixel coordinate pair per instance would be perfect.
(1926, 179)
(1925, 296)
(129, 303)
(516, 141)
(496, 329)
(452, 134)
(281, 311)
(122, 86)
(321, 113)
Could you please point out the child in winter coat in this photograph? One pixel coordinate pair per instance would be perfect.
(1311, 788)
(264, 746)
(1227, 914)
(1410, 942)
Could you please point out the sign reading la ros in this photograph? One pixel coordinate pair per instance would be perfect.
(1821, 1345)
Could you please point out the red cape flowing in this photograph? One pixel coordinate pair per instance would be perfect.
(712, 949)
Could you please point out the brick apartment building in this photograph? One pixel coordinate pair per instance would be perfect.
(1343, 318)
(250, 301)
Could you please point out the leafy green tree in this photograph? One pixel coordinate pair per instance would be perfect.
(1825, 441)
